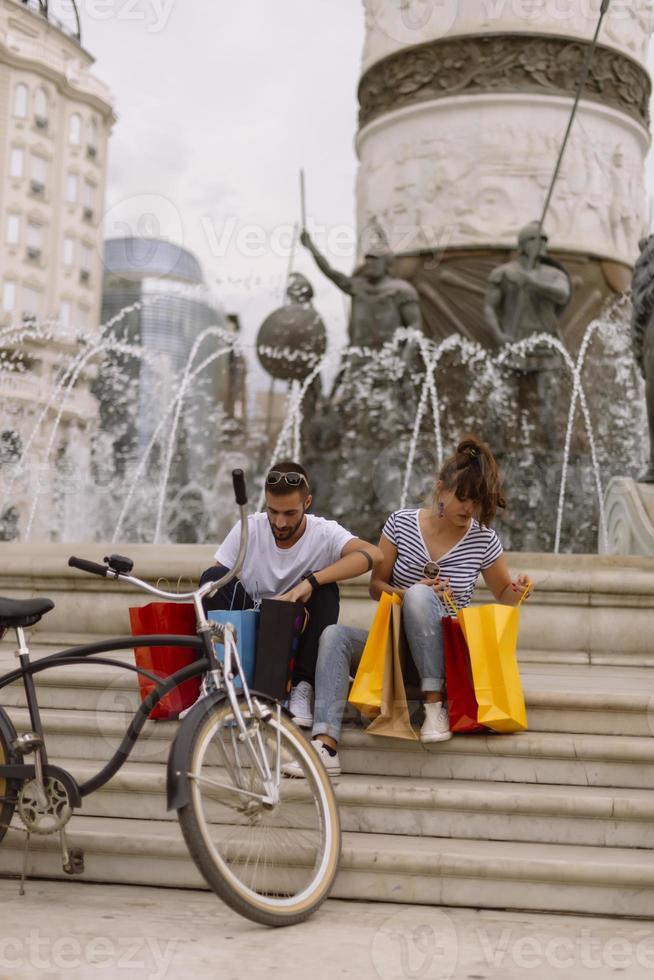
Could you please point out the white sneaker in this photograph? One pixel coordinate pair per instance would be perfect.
(300, 705)
(332, 763)
(436, 726)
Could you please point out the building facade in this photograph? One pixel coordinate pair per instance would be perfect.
(463, 109)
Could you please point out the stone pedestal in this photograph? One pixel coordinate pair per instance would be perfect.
(630, 518)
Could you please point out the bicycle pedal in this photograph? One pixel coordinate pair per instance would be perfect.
(75, 863)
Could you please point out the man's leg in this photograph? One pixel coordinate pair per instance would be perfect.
(323, 608)
(339, 656)
(230, 596)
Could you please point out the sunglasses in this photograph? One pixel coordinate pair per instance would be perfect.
(290, 479)
(431, 570)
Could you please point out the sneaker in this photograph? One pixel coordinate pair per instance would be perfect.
(300, 705)
(436, 726)
(332, 763)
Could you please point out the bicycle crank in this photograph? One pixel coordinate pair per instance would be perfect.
(39, 817)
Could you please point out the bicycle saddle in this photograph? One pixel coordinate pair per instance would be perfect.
(23, 612)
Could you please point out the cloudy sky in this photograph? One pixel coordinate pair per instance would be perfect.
(219, 104)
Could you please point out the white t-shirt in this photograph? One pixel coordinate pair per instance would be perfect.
(269, 570)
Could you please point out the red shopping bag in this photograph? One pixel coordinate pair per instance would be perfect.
(166, 617)
(461, 701)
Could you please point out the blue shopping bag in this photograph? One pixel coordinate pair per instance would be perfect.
(246, 624)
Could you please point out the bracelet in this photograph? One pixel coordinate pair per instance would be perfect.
(312, 580)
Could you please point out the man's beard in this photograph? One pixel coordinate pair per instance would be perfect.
(287, 532)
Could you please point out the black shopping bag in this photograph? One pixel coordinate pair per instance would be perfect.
(280, 627)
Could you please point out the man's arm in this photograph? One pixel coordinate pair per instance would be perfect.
(492, 306)
(339, 278)
(549, 282)
(357, 557)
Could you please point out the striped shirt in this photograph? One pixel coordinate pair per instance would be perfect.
(478, 549)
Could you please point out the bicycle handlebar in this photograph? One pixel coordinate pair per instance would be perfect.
(238, 479)
(89, 566)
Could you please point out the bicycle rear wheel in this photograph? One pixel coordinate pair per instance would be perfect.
(273, 862)
(7, 790)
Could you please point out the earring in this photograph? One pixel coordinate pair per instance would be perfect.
(441, 508)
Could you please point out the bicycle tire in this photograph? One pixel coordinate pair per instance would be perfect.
(8, 790)
(213, 840)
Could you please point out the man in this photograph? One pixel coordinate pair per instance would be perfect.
(297, 557)
(527, 295)
(380, 302)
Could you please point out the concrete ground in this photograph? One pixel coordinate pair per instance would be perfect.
(75, 931)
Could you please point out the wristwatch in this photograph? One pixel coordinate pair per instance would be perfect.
(312, 580)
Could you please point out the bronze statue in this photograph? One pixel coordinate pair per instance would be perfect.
(380, 303)
(642, 335)
(527, 295)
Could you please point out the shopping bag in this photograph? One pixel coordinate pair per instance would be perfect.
(459, 684)
(280, 627)
(366, 691)
(394, 719)
(491, 633)
(166, 617)
(246, 624)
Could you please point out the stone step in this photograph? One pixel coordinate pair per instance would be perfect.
(481, 810)
(379, 867)
(571, 698)
(528, 757)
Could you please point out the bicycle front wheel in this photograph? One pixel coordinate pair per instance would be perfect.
(272, 858)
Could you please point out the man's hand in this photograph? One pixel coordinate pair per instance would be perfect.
(299, 593)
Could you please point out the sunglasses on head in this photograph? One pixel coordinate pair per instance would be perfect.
(290, 479)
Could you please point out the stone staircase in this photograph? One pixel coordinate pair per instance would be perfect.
(559, 818)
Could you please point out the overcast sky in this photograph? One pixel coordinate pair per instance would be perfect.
(219, 104)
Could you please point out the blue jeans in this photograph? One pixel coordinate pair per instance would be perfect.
(339, 655)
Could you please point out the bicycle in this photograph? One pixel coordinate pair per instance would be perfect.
(268, 846)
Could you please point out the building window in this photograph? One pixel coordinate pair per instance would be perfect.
(39, 173)
(72, 188)
(69, 251)
(75, 129)
(12, 236)
(31, 302)
(86, 256)
(41, 108)
(8, 295)
(83, 317)
(20, 101)
(65, 311)
(34, 239)
(92, 146)
(16, 162)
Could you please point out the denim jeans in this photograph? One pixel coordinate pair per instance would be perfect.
(341, 647)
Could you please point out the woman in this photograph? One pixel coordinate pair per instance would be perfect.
(427, 552)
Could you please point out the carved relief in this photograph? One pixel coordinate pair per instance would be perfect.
(504, 63)
(455, 189)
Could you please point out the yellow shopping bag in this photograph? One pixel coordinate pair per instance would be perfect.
(366, 691)
(491, 633)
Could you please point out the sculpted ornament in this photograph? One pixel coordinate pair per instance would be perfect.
(502, 63)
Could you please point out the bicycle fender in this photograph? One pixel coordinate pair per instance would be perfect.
(177, 781)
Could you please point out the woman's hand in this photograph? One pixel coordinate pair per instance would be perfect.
(439, 585)
(523, 584)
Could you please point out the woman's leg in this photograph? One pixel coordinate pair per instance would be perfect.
(422, 611)
(339, 654)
